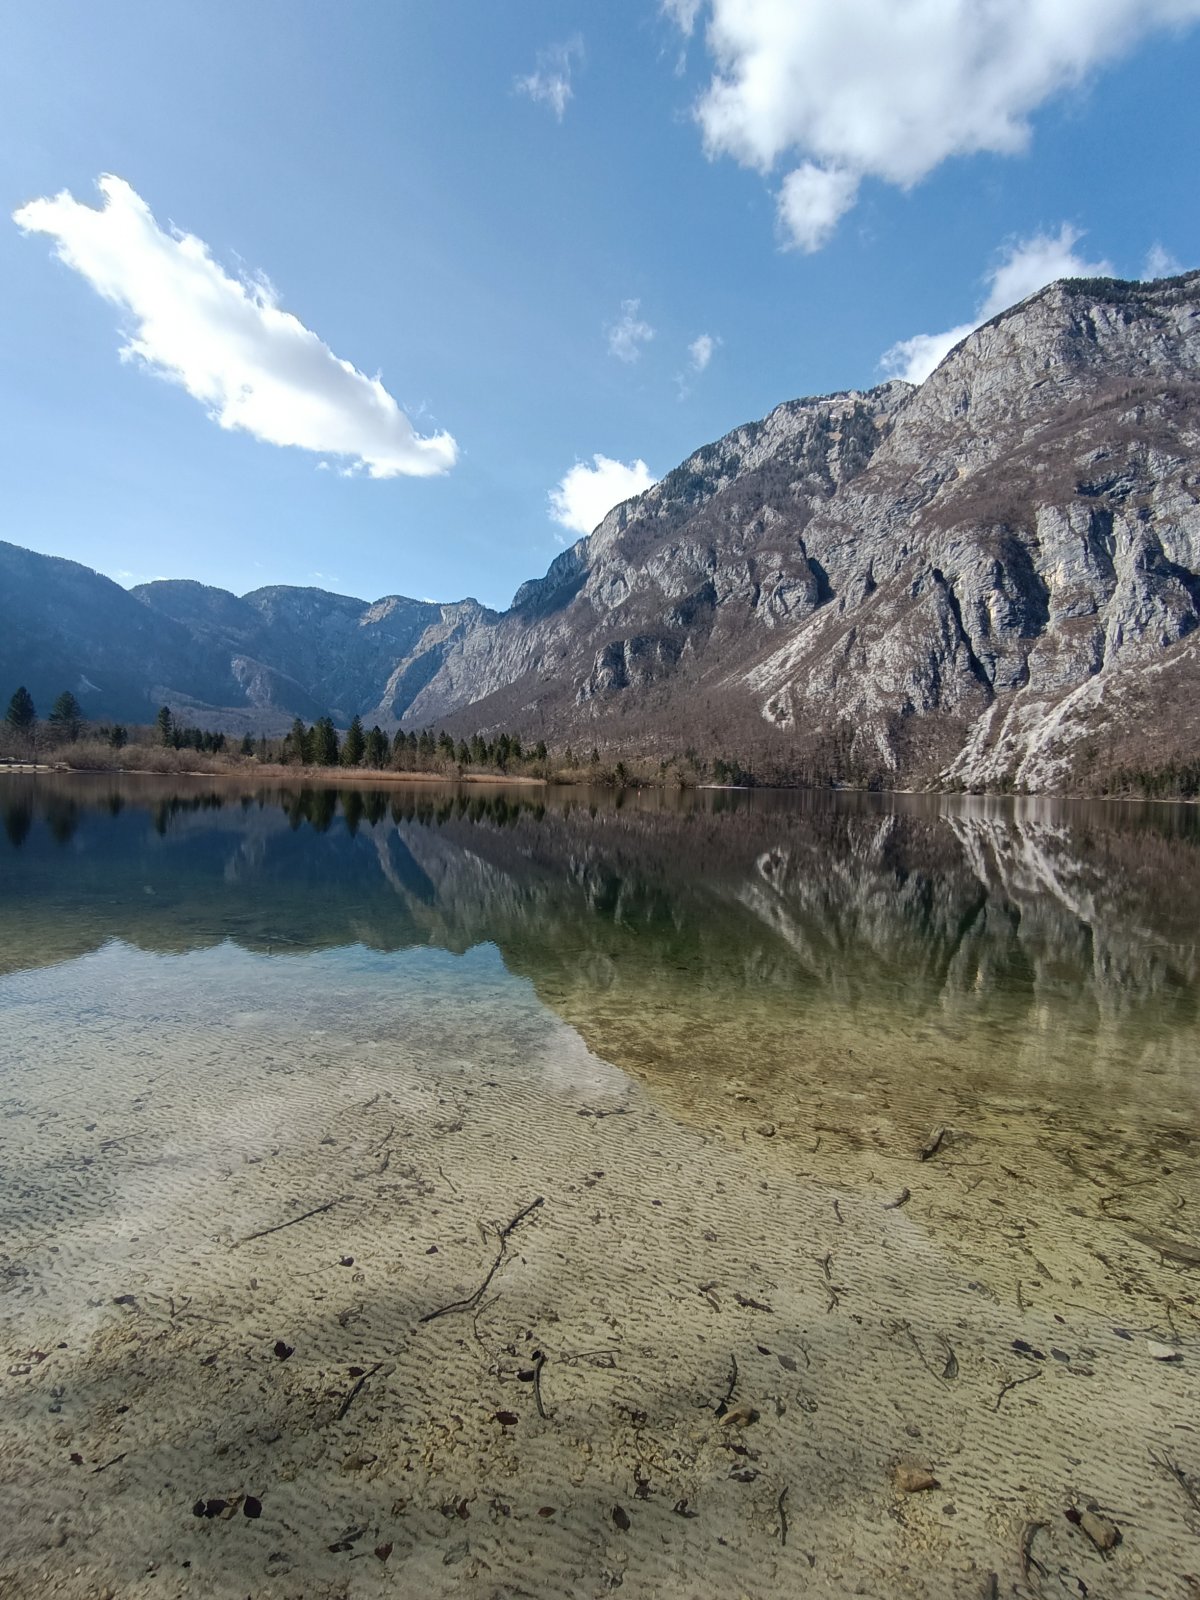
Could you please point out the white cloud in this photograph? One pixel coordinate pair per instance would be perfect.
(586, 494)
(629, 333)
(701, 351)
(227, 342)
(1160, 263)
(812, 201)
(1028, 266)
(847, 89)
(683, 13)
(550, 83)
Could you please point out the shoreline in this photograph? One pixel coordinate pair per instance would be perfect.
(341, 777)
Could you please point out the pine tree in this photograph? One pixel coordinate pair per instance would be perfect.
(540, 752)
(21, 713)
(376, 747)
(356, 744)
(301, 741)
(166, 727)
(66, 713)
(463, 755)
(247, 745)
(325, 743)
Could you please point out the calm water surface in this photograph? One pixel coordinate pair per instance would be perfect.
(1012, 947)
(282, 1062)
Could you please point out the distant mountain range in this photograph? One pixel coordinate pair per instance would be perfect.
(991, 579)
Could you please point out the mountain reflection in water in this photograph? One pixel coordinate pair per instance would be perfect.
(678, 932)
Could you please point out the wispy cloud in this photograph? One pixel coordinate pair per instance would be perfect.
(700, 352)
(549, 84)
(629, 333)
(227, 341)
(1160, 263)
(683, 13)
(586, 494)
(842, 90)
(1026, 267)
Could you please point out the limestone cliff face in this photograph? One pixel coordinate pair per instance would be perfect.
(990, 580)
(977, 580)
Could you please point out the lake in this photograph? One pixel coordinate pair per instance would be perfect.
(543, 1192)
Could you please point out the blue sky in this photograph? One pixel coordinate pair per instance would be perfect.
(552, 231)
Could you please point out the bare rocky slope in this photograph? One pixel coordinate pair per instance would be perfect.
(992, 580)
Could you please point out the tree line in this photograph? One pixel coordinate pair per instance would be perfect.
(318, 745)
(321, 746)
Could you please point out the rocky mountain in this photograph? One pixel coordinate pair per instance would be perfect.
(253, 662)
(992, 579)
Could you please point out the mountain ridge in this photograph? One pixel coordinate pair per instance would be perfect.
(990, 579)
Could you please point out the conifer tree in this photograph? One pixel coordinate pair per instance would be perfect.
(325, 743)
(21, 714)
(165, 725)
(376, 747)
(355, 745)
(66, 713)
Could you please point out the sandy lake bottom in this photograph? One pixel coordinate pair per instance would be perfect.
(500, 1206)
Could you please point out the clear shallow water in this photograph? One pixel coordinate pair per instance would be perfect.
(843, 971)
(713, 1030)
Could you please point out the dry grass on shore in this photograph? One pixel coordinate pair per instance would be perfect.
(95, 755)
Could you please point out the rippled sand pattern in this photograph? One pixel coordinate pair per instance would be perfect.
(234, 1186)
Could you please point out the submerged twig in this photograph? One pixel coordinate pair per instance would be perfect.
(473, 1300)
(350, 1398)
(1015, 1383)
(539, 1362)
(292, 1221)
(783, 1522)
(1165, 1464)
(932, 1145)
(1028, 1534)
(1173, 1249)
(722, 1405)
